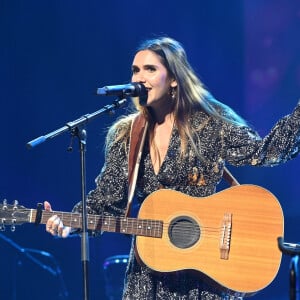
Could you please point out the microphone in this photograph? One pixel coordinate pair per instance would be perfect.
(133, 89)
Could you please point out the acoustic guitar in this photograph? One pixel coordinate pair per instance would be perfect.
(230, 237)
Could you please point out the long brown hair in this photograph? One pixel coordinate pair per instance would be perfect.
(191, 95)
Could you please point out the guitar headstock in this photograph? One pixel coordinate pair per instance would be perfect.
(13, 214)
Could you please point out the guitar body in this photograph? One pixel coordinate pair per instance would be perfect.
(193, 236)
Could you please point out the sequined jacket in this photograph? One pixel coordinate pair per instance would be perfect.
(218, 142)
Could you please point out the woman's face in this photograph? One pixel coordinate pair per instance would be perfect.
(148, 69)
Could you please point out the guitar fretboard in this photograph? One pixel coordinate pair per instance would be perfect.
(141, 227)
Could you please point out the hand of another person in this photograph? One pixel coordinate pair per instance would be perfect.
(54, 224)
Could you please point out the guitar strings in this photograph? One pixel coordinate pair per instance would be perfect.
(148, 225)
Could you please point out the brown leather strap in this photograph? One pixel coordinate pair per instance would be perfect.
(229, 178)
(136, 134)
(137, 139)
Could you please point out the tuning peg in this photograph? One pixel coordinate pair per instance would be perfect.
(2, 225)
(4, 204)
(12, 226)
(15, 204)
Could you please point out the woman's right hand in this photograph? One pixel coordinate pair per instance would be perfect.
(54, 224)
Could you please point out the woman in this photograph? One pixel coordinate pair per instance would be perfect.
(190, 137)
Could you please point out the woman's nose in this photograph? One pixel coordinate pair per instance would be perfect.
(138, 77)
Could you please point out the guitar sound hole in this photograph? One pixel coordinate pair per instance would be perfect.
(184, 232)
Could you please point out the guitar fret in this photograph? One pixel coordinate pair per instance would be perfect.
(91, 222)
(71, 223)
(107, 223)
(124, 225)
(148, 227)
(132, 223)
(76, 222)
(142, 222)
(157, 231)
(139, 228)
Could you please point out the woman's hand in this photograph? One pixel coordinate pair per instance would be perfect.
(54, 224)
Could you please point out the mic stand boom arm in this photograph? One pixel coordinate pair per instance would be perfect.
(76, 129)
(71, 126)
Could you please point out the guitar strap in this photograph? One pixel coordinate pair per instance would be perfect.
(229, 177)
(138, 133)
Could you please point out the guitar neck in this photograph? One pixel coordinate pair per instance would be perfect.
(140, 227)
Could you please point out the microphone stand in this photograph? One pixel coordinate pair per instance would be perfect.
(293, 250)
(76, 128)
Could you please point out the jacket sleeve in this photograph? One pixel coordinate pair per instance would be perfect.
(243, 146)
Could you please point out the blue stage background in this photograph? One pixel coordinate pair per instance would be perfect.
(53, 57)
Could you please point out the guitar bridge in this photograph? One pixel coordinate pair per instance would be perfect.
(225, 238)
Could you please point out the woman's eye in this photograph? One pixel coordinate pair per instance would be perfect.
(134, 70)
(151, 69)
